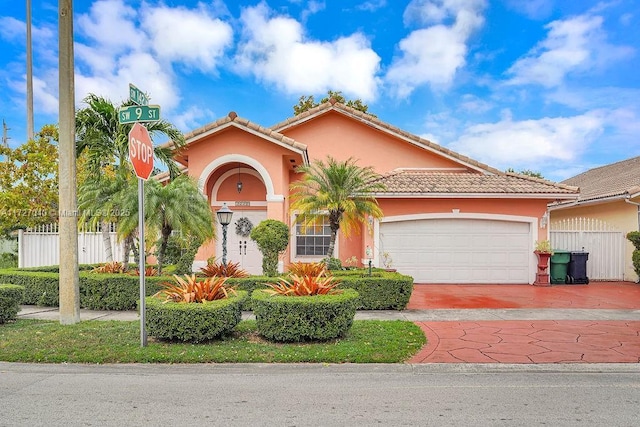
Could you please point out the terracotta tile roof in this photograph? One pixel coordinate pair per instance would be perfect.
(233, 120)
(370, 120)
(616, 179)
(429, 182)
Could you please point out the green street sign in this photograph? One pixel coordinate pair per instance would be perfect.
(137, 96)
(139, 113)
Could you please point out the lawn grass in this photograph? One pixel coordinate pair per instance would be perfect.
(39, 341)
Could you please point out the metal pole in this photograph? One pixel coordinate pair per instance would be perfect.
(67, 203)
(142, 263)
(224, 244)
(30, 130)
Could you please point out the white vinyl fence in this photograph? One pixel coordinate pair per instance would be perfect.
(604, 244)
(40, 246)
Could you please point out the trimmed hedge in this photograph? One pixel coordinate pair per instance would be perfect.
(192, 322)
(97, 291)
(10, 300)
(304, 318)
(381, 291)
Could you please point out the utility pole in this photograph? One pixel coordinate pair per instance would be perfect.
(30, 130)
(68, 205)
(5, 136)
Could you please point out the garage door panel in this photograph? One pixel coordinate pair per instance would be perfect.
(459, 250)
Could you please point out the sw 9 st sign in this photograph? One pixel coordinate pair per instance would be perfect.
(141, 151)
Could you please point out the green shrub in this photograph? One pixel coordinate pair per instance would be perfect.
(383, 291)
(8, 260)
(115, 291)
(97, 291)
(333, 263)
(634, 237)
(40, 288)
(10, 300)
(304, 318)
(191, 322)
(272, 238)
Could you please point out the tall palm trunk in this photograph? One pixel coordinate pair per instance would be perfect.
(106, 240)
(128, 247)
(166, 232)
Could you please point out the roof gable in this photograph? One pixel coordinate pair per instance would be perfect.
(232, 120)
(385, 127)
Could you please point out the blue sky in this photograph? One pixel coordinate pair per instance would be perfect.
(547, 85)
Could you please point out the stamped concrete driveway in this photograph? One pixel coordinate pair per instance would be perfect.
(597, 323)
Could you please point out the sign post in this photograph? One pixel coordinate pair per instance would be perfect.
(141, 157)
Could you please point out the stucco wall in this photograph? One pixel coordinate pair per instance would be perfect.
(340, 137)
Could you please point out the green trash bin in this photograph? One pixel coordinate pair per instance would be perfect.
(559, 266)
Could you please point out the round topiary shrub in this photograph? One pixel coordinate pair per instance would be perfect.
(304, 318)
(272, 238)
(193, 322)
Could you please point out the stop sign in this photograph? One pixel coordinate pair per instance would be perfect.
(141, 151)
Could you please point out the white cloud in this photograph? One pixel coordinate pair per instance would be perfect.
(312, 7)
(138, 68)
(372, 5)
(475, 104)
(433, 55)
(535, 9)
(572, 45)
(12, 29)
(274, 49)
(111, 24)
(529, 143)
(191, 118)
(189, 36)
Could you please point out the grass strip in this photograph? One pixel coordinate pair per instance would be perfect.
(40, 341)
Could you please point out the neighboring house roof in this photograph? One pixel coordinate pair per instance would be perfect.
(615, 181)
(429, 183)
(374, 122)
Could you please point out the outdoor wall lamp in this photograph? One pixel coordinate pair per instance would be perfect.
(239, 183)
(224, 215)
(544, 220)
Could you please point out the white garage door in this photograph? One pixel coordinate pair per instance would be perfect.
(459, 250)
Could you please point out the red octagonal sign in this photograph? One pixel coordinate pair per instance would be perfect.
(141, 151)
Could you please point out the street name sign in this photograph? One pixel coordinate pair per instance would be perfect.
(141, 151)
(137, 96)
(139, 113)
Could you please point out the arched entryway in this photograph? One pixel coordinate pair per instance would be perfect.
(239, 183)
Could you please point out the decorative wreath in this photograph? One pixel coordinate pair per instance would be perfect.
(243, 227)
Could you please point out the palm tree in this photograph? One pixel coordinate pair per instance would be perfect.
(340, 189)
(178, 206)
(104, 142)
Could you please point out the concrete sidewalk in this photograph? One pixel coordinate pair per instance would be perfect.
(434, 315)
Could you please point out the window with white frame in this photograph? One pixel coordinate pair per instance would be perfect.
(312, 238)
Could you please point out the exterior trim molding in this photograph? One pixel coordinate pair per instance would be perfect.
(240, 158)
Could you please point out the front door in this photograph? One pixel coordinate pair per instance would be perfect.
(241, 249)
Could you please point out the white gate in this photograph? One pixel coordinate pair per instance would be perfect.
(604, 244)
(40, 246)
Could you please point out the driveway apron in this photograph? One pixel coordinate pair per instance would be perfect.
(604, 327)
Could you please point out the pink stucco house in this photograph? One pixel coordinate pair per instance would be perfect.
(448, 218)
